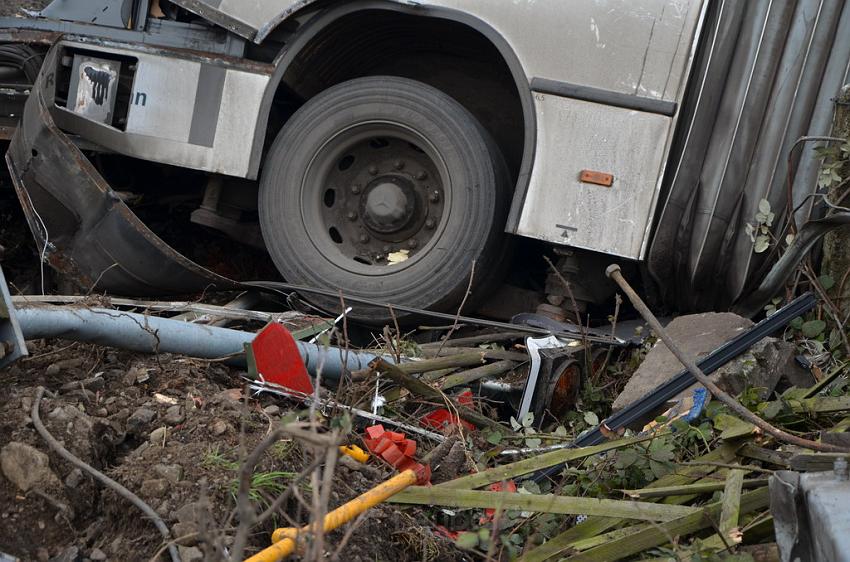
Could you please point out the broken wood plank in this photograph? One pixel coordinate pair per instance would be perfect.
(660, 533)
(816, 405)
(769, 456)
(518, 468)
(594, 541)
(566, 505)
(731, 511)
(696, 489)
(728, 531)
(597, 525)
(815, 462)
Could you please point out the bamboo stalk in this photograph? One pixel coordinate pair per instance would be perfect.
(432, 376)
(475, 340)
(437, 363)
(421, 495)
(472, 375)
(659, 533)
(425, 390)
(498, 354)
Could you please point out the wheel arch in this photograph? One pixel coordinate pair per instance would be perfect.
(313, 29)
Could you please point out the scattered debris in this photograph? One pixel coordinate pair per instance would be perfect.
(522, 448)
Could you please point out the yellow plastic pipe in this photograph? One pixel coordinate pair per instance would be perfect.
(284, 539)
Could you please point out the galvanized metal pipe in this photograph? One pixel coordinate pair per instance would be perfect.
(151, 334)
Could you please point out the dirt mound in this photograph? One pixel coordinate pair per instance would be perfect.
(167, 428)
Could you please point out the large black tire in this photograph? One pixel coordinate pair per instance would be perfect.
(385, 163)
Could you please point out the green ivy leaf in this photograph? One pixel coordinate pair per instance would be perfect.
(772, 409)
(530, 487)
(732, 427)
(661, 452)
(834, 339)
(591, 418)
(764, 206)
(528, 420)
(533, 443)
(626, 458)
(483, 535)
(762, 244)
(495, 438)
(813, 328)
(660, 469)
(797, 323)
(827, 282)
(467, 540)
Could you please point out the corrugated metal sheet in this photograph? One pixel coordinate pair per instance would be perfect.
(766, 76)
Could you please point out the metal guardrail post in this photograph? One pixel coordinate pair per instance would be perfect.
(12, 346)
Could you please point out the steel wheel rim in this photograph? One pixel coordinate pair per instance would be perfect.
(373, 189)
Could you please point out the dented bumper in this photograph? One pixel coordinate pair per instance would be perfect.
(81, 226)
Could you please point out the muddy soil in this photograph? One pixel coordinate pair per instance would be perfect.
(167, 428)
(14, 7)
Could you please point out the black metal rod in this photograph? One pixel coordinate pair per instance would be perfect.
(283, 287)
(684, 379)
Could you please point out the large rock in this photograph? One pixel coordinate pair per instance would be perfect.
(140, 419)
(700, 334)
(27, 467)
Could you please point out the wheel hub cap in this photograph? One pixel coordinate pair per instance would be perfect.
(388, 205)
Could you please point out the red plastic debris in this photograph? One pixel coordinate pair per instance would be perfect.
(508, 486)
(443, 531)
(409, 447)
(465, 398)
(442, 419)
(278, 361)
(375, 431)
(396, 450)
(395, 437)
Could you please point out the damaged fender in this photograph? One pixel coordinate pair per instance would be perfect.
(81, 226)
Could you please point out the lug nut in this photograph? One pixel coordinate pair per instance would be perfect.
(398, 164)
(434, 197)
(422, 175)
(412, 243)
(373, 170)
(430, 223)
(364, 238)
(352, 216)
(355, 189)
